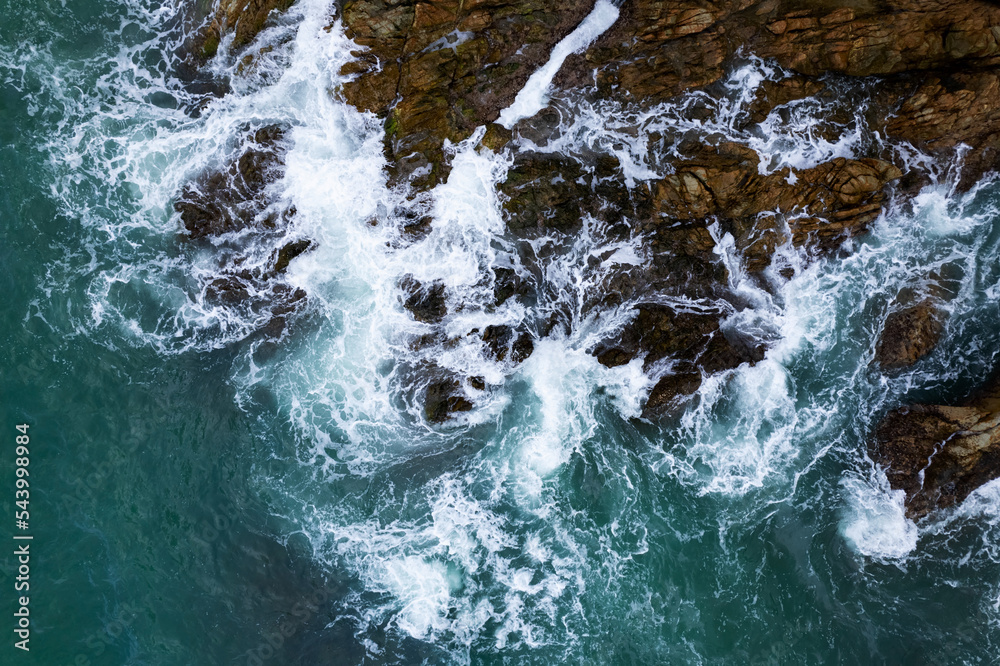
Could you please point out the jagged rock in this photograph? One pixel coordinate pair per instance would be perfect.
(656, 49)
(543, 192)
(693, 340)
(243, 18)
(684, 261)
(823, 205)
(661, 48)
(909, 334)
(284, 256)
(943, 110)
(938, 454)
(438, 70)
(443, 398)
(506, 284)
(772, 94)
(721, 185)
(546, 191)
(427, 303)
(233, 198)
(502, 342)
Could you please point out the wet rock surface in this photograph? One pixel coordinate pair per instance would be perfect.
(917, 71)
(443, 398)
(939, 454)
(231, 208)
(692, 339)
(234, 198)
(243, 19)
(425, 302)
(930, 62)
(438, 70)
(909, 334)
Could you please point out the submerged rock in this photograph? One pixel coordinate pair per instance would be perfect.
(939, 454)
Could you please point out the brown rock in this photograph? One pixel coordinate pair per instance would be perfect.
(692, 340)
(717, 184)
(453, 65)
(937, 454)
(941, 111)
(234, 197)
(243, 18)
(443, 398)
(951, 97)
(909, 334)
(549, 191)
(824, 205)
(772, 94)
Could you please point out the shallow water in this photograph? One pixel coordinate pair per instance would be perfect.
(203, 497)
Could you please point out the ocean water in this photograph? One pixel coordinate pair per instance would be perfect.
(201, 495)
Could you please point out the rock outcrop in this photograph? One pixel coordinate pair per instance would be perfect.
(916, 319)
(438, 70)
(909, 334)
(939, 454)
(692, 340)
(719, 185)
(920, 71)
(234, 198)
(244, 19)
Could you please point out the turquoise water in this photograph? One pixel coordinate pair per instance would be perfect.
(202, 497)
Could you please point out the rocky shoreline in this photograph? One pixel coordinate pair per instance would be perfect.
(923, 73)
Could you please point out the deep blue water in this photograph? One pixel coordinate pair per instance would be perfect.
(199, 496)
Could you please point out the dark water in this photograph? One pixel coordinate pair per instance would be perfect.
(200, 498)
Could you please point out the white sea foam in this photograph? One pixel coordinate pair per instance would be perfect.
(534, 94)
(470, 538)
(875, 524)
